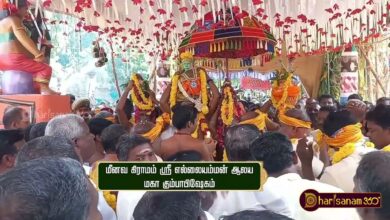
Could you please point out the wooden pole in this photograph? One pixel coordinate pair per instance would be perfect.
(114, 70)
(328, 73)
(374, 73)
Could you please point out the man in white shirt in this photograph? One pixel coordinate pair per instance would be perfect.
(237, 141)
(132, 148)
(341, 174)
(373, 175)
(126, 203)
(342, 130)
(284, 183)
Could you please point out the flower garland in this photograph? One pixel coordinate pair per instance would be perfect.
(172, 97)
(204, 97)
(203, 84)
(202, 124)
(387, 148)
(343, 152)
(110, 198)
(275, 85)
(138, 96)
(155, 132)
(318, 136)
(225, 158)
(227, 109)
(346, 151)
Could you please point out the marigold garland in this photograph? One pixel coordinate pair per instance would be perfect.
(173, 94)
(225, 158)
(202, 124)
(318, 136)
(343, 152)
(155, 132)
(346, 151)
(203, 82)
(370, 144)
(109, 196)
(387, 148)
(145, 104)
(227, 108)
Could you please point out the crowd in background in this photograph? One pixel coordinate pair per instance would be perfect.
(48, 170)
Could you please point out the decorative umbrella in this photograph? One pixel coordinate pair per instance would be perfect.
(230, 35)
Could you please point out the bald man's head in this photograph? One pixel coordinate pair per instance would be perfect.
(15, 118)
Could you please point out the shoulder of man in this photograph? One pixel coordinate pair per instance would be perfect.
(328, 176)
(325, 187)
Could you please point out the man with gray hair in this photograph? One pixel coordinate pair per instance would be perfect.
(45, 188)
(47, 146)
(73, 127)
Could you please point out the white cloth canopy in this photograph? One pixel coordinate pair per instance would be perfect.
(162, 23)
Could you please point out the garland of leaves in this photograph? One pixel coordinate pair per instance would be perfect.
(363, 83)
(331, 85)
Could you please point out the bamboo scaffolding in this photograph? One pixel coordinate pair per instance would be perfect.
(373, 71)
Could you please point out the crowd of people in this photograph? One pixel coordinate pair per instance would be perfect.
(48, 170)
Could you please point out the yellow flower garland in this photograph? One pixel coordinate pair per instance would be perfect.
(173, 94)
(143, 104)
(200, 124)
(370, 144)
(282, 100)
(155, 132)
(225, 158)
(203, 84)
(108, 195)
(318, 136)
(343, 152)
(227, 105)
(346, 150)
(387, 148)
(110, 199)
